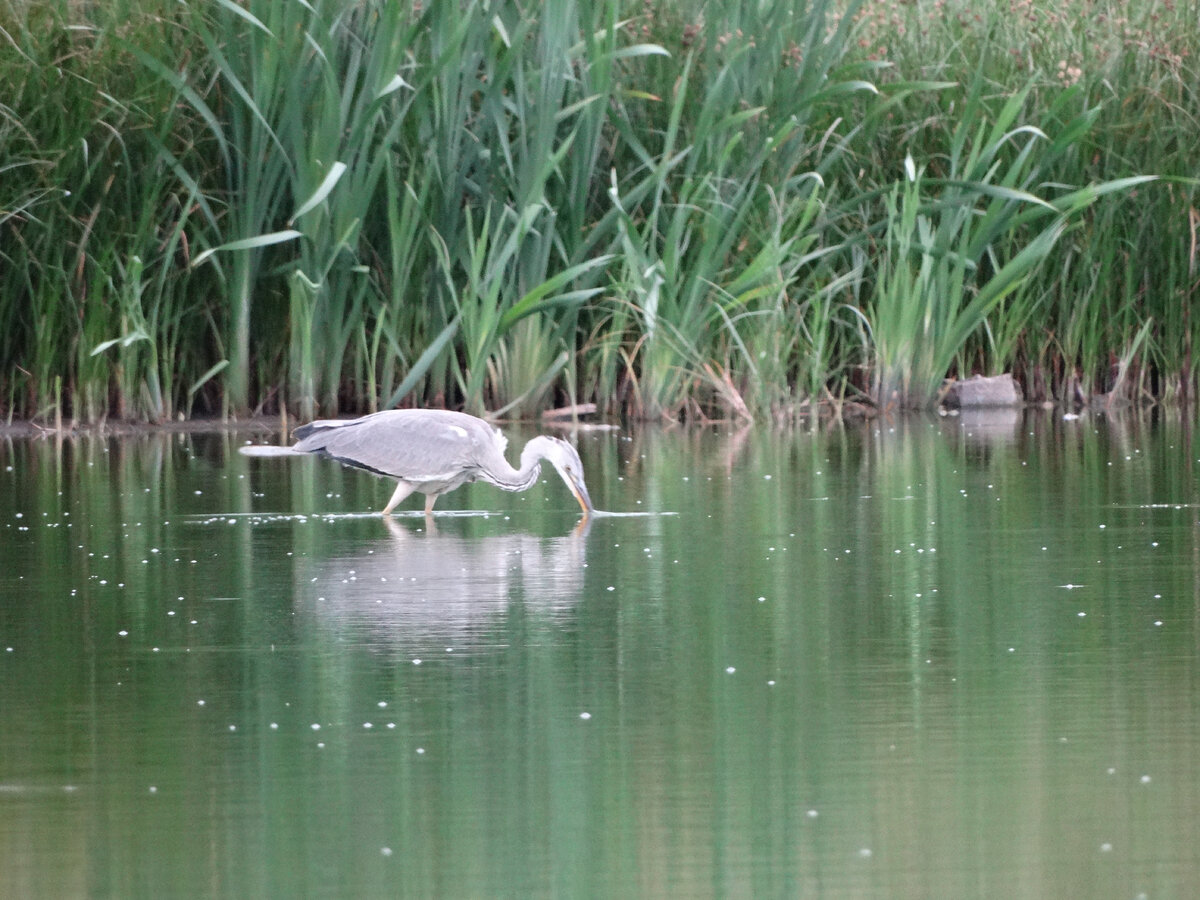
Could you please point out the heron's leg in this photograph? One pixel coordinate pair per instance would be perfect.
(403, 489)
(430, 499)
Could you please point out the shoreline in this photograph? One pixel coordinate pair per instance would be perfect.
(120, 428)
(548, 421)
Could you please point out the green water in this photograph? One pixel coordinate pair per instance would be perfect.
(923, 659)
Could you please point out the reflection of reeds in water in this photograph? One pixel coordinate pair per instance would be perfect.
(914, 659)
(435, 589)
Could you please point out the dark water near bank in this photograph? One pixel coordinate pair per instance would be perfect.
(934, 659)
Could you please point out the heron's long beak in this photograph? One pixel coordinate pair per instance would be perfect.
(579, 489)
(574, 481)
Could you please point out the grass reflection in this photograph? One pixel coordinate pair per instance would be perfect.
(912, 658)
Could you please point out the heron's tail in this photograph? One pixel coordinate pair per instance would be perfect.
(268, 450)
(320, 425)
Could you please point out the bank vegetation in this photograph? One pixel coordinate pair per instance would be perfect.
(683, 209)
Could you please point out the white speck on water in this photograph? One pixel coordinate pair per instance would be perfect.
(391, 724)
(1145, 779)
(1158, 623)
(368, 725)
(233, 728)
(865, 853)
(762, 599)
(199, 702)
(585, 716)
(771, 683)
(1081, 614)
(1012, 649)
(729, 670)
(1106, 847)
(416, 662)
(122, 632)
(385, 851)
(420, 751)
(610, 588)
(274, 726)
(382, 704)
(316, 726)
(812, 814)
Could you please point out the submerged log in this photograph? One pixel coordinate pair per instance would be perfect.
(980, 391)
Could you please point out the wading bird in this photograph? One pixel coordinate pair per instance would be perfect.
(432, 451)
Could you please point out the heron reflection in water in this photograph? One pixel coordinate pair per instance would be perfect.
(433, 451)
(417, 591)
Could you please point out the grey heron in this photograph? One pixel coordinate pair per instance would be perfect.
(432, 451)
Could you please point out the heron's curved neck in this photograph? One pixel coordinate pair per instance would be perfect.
(521, 479)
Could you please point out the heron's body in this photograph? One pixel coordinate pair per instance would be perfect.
(433, 451)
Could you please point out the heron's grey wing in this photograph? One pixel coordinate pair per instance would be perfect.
(413, 444)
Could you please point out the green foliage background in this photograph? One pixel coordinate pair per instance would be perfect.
(670, 209)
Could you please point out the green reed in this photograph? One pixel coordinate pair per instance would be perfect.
(1113, 85)
(92, 221)
(685, 209)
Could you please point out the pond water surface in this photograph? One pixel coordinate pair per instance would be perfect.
(929, 658)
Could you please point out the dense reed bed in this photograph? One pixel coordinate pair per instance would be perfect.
(684, 209)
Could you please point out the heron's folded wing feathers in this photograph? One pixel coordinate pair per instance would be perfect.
(414, 445)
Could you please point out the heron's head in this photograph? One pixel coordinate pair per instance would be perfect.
(565, 459)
